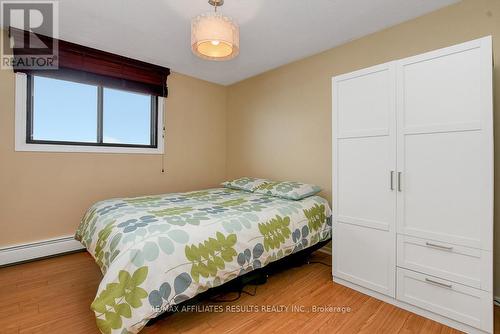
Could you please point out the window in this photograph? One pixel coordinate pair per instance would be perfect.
(56, 115)
(62, 111)
(124, 111)
(95, 101)
(69, 113)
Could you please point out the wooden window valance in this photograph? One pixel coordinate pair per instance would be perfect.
(87, 65)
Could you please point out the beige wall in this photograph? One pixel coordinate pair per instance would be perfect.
(44, 195)
(279, 123)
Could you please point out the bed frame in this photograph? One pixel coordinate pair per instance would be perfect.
(255, 277)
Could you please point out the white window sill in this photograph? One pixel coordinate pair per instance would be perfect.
(25, 147)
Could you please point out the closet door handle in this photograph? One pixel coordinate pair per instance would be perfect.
(392, 179)
(448, 286)
(399, 181)
(430, 244)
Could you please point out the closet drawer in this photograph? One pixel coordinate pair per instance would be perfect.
(470, 306)
(460, 264)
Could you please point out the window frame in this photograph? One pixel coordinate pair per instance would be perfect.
(24, 137)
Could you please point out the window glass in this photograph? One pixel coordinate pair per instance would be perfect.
(126, 117)
(64, 111)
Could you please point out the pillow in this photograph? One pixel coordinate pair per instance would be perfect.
(245, 183)
(288, 189)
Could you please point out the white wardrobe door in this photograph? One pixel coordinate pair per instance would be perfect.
(364, 156)
(445, 145)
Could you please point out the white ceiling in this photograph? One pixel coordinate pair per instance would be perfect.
(272, 33)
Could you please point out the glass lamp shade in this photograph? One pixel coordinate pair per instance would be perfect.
(215, 37)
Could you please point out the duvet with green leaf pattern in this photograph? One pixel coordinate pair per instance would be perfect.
(158, 251)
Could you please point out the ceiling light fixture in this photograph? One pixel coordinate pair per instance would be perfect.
(215, 36)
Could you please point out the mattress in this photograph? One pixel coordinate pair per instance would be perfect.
(158, 251)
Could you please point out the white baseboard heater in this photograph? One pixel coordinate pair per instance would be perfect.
(31, 251)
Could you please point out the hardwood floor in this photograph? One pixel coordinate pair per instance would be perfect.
(54, 295)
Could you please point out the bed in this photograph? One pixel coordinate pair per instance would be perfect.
(159, 251)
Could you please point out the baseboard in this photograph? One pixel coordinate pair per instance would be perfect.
(31, 251)
(424, 313)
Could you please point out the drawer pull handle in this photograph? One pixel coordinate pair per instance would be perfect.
(430, 244)
(392, 179)
(448, 286)
(399, 182)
